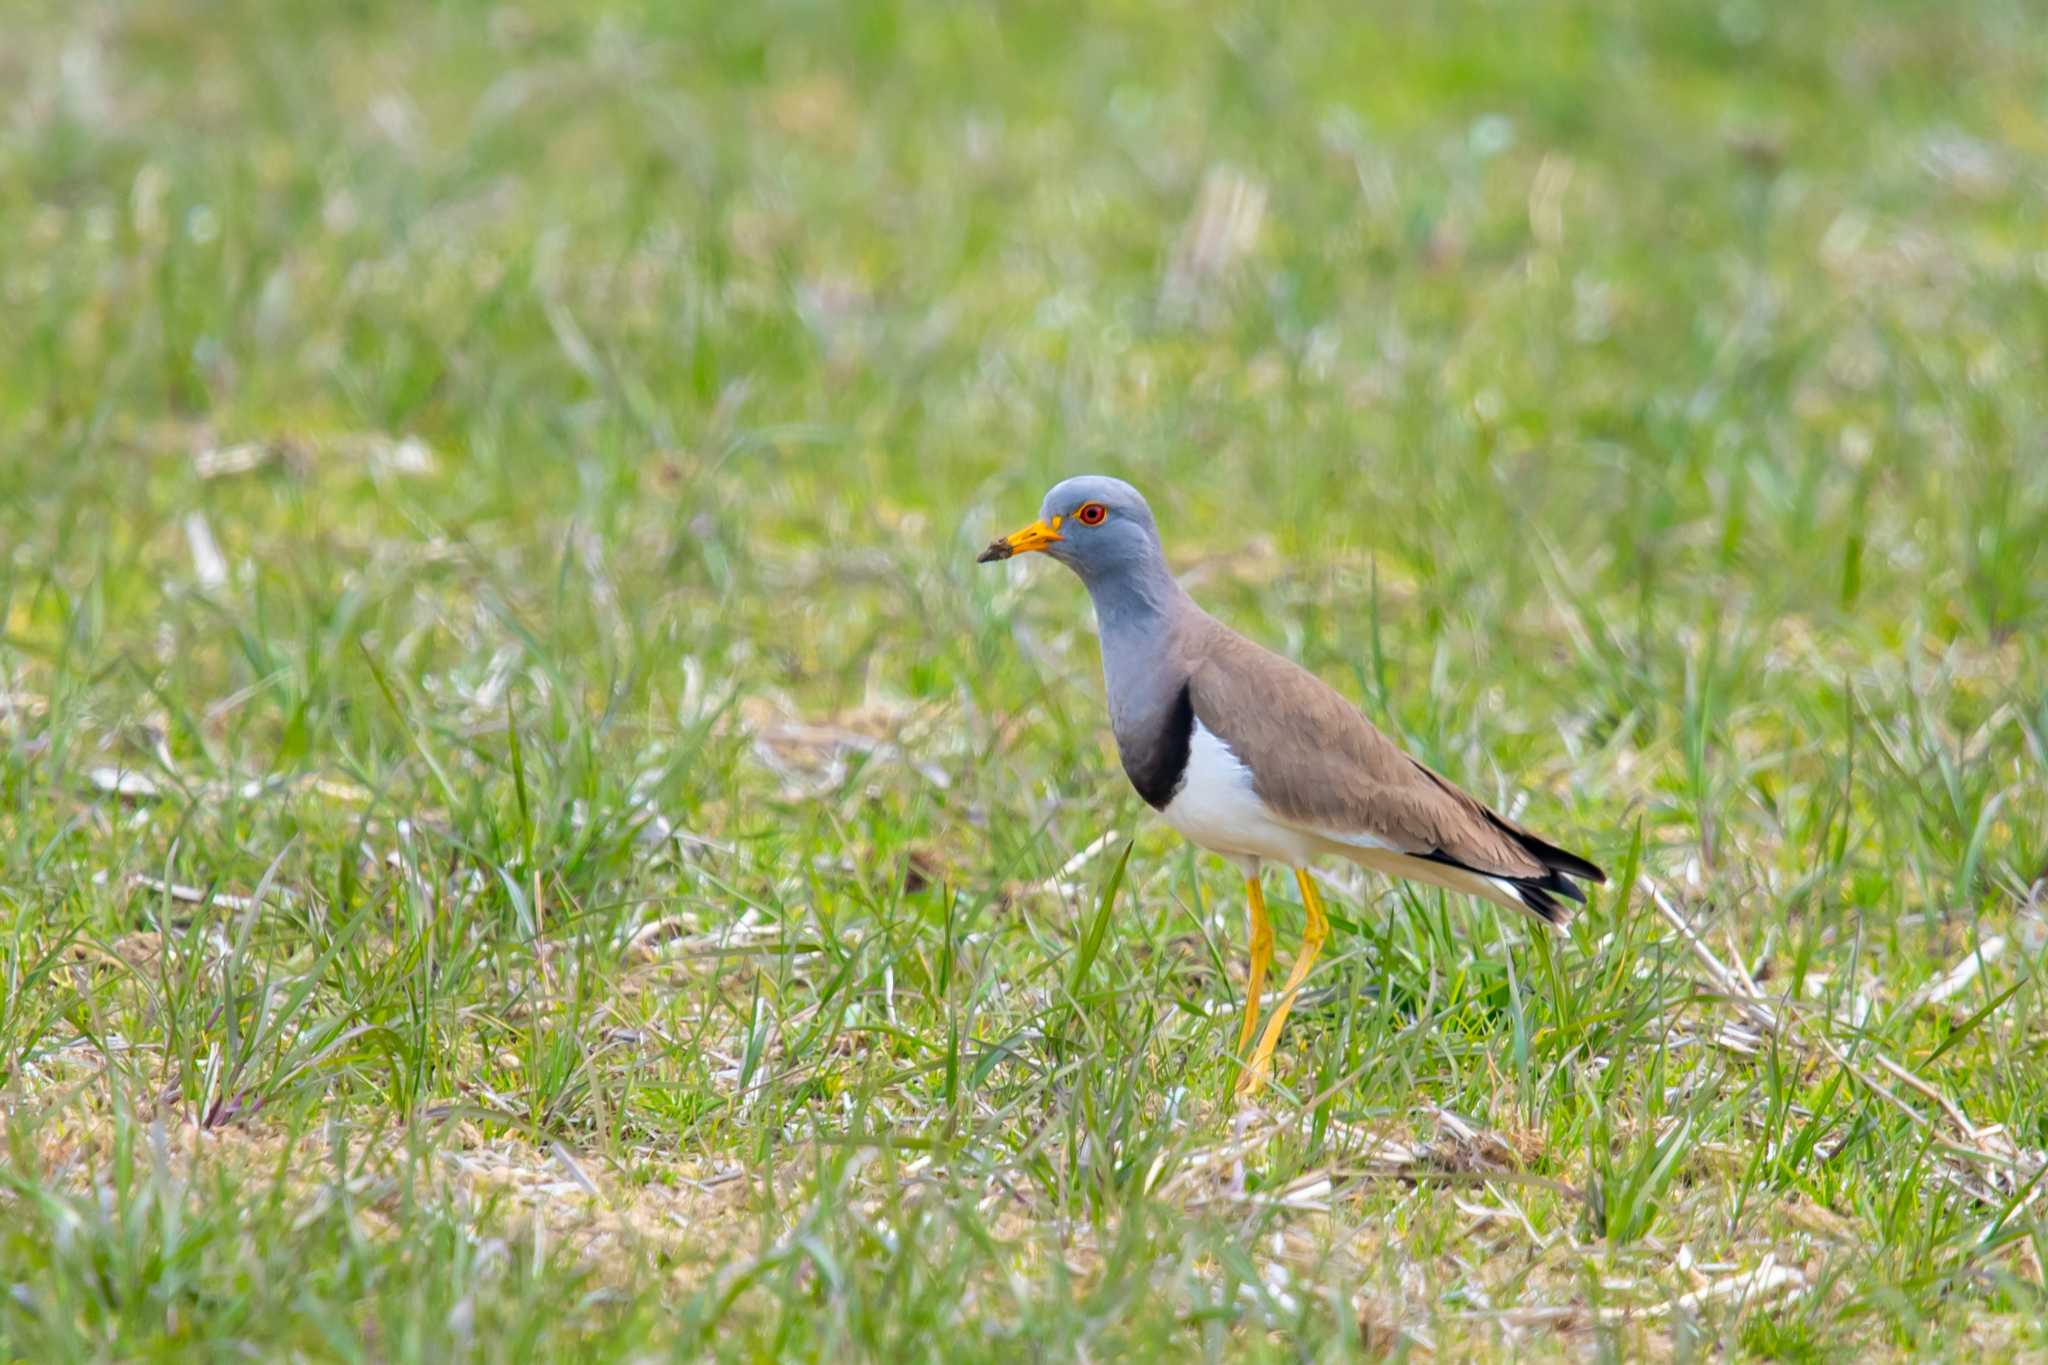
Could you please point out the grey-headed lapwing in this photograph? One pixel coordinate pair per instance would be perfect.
(1251, 756)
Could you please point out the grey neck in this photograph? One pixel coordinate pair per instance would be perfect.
(1138, 611)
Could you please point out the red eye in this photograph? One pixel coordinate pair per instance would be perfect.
(1091, 514)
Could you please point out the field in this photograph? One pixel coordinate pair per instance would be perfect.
(524, 832)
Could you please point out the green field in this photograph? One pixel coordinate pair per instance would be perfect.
(524, 832)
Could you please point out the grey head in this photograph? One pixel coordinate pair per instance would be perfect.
(1099, 527)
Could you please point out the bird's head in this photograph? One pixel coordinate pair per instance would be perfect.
(1095, 525)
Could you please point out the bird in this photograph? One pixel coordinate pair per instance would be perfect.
(1250, 756)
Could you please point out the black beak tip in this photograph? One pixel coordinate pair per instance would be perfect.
(997, 549)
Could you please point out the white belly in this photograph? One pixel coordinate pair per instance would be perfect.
(1217, 808)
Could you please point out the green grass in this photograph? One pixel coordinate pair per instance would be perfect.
(487, 502)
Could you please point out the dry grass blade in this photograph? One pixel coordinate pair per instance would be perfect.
(1957, 979)
(1229, 212)
(209, 565)
(194, 895)
(1997, 1167)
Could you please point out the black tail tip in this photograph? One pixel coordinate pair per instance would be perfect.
(1558, 863)
(1541, 900)
(1554, 896)
(1561, 863)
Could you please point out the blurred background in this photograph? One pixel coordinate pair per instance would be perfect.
(473, 460)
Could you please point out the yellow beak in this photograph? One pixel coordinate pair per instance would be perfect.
(1036, 536)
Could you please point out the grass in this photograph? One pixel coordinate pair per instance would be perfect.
(524, 832)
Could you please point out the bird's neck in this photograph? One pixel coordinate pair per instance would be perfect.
(1137, 615)
(1143, 603)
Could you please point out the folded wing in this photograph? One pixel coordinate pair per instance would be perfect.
(1319, 764)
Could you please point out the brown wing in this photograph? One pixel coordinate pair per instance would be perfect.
(1316, 761)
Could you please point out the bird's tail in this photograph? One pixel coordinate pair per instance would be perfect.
(1552, 897)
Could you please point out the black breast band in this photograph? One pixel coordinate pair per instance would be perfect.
(1158, 767)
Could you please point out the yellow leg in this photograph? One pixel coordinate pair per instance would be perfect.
(1254, 1074)
(1262, 954)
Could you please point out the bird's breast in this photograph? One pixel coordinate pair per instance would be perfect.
(1154, 748)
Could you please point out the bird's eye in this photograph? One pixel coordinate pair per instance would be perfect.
(1091, 514)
